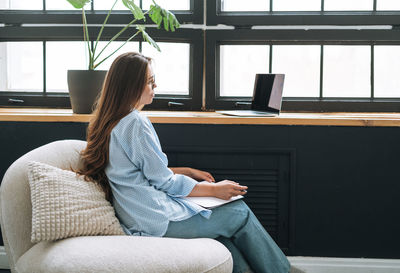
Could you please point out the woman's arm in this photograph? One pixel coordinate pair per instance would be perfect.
(193, 173)
(181, 170)
(146, 152)
(224, 189)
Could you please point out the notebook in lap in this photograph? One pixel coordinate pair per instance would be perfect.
(267, 97)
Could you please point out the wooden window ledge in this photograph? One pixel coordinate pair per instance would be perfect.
(317, 119)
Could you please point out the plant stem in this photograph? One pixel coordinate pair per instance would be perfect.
(117, 49)
(116, 36)
(102, 27)
(86, 38)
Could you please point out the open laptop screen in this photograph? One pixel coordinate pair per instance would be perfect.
(267, 94)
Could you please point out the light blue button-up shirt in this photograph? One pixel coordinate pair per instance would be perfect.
(146, 193)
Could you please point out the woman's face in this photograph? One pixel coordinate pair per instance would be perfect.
(148, 92)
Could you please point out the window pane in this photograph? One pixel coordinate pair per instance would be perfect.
(347, 71)
(296, 5)
(60, 57)
(386, 71)
(250, 5)
(107, 4)
(21, 66)
(61, 5)
(238, 67)
(301, 66)
(128, 47)
(349, 5)
(168, 4)
(21, 4)
(170, 66)
(388, 5)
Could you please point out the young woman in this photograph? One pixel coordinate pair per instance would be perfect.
(124, 156)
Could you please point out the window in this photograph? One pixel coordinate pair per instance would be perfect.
(292, 60)
(340, 5)
(386, 80)
(21, 61)
(346, 71)
(251, 5)
(171, 67)
(59, 60)
(337, 55)
(41, 40)
(293, 5)
(22, 4)
(238, 65)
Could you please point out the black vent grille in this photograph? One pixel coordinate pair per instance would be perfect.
(268, 174)
(262, 196)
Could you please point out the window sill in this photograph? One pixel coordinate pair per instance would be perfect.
(178, 117)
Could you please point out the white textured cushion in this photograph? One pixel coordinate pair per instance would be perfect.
(126, 254)
(65, 205)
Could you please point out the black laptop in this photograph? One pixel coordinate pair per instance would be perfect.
(267, 97)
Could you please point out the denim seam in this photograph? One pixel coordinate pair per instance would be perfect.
(240, 211)
(260, 229)
(247, 214)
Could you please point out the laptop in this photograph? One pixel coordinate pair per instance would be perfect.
(267, 97)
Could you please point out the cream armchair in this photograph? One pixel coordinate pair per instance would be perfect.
(114, 254)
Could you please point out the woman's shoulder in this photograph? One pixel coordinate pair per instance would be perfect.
(131, 121)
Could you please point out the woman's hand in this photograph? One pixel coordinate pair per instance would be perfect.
(194, 173)
(224, 189)
(200, 175)
(227, 189)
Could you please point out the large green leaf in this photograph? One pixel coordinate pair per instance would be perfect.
(136, 11)
(147, 37)
(159, 15)
(78, 4)
(155, 15)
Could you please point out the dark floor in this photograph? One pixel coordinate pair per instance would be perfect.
(4, 271)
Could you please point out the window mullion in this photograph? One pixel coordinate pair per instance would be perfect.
(372, 72)
(321, 73)
(270, 58)
(44, 68)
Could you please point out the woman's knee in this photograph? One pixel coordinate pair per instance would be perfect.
(238, 206)
(241, 204)
(232, 209)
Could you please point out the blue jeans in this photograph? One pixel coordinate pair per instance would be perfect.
(236, 226)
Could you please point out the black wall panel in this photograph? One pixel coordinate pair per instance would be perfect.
(343, 182)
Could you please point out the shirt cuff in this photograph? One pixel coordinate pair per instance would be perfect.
(182, 186)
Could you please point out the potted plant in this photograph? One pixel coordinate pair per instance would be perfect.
(85, 85)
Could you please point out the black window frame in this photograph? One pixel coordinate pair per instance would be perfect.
(296, 28)
(52, 25)
(272, 18)
(208, 40)
(215, 38)
(19, 17)
(192, 101)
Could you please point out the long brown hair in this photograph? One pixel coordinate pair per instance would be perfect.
(122, 89)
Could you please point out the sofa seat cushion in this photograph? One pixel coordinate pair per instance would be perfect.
(126, 254)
